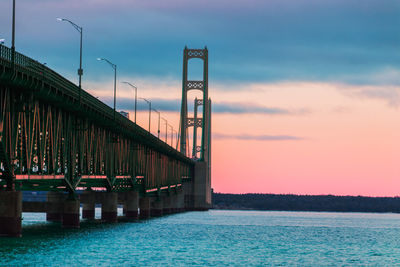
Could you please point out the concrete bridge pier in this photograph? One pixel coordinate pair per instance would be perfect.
(10, 213)
(144, 208)
(131, 205)
(70, 217)
(122, 201)
(180, 202)
(88, 207)
(188, 198)
(177, 202)
(55, 206)
(173, 203)
(201, 187)
(167, 200)
(156, 207)
(109, 206)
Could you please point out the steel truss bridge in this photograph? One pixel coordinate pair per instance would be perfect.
(54, 139)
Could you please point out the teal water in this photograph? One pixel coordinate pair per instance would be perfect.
(216, 237)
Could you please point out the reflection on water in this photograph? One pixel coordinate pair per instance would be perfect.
(211, 238)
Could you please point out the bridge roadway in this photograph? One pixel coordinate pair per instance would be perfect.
(55, 137)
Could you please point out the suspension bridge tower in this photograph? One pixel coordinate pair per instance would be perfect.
(201, 182)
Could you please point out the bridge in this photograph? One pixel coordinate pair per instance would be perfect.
(56, 137)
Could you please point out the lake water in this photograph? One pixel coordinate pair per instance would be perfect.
(216, 237)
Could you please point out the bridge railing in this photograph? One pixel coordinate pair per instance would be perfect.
(33, 66)
(22, 60)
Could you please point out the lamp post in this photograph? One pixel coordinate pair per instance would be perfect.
(159, 116)
(166, 130)
(172, 134)
(135, 96)
(176, 138)
(80, 70)
(1, 47)
(148, 102)
(13, 35)
(115, 81)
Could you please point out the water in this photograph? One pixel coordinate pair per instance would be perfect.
(236, 238)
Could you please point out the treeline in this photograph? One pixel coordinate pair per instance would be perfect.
(306, 203)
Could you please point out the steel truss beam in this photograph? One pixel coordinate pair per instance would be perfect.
(48, 142)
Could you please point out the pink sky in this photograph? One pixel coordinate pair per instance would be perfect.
(348, 144)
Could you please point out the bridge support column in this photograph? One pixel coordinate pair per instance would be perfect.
(70, 218)
(144, 208)
(173, 203)
(131, 205)
(88, 209)
(109, 206)
(10, 213)
(54, 206)
(156, 208)
(188, 199)
(167, 205)
(202, 187)
(180, 202)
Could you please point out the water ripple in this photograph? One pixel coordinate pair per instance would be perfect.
(228, 238)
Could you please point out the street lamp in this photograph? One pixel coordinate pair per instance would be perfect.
(1, 47)
(135, 96)
(176, 138)
(80, 70)
(148, 102)
(13, 35)
(166, 130)
(159, 116)
(172, 134)
(115, 80)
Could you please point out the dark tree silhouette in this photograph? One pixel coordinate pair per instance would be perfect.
(306, 203)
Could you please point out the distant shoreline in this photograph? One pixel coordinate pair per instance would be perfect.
(316, 203)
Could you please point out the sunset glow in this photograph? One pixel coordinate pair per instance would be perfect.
(302, 108)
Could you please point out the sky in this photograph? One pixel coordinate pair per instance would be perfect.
(305, 93)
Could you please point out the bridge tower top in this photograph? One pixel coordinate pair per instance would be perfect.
(195, 122)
